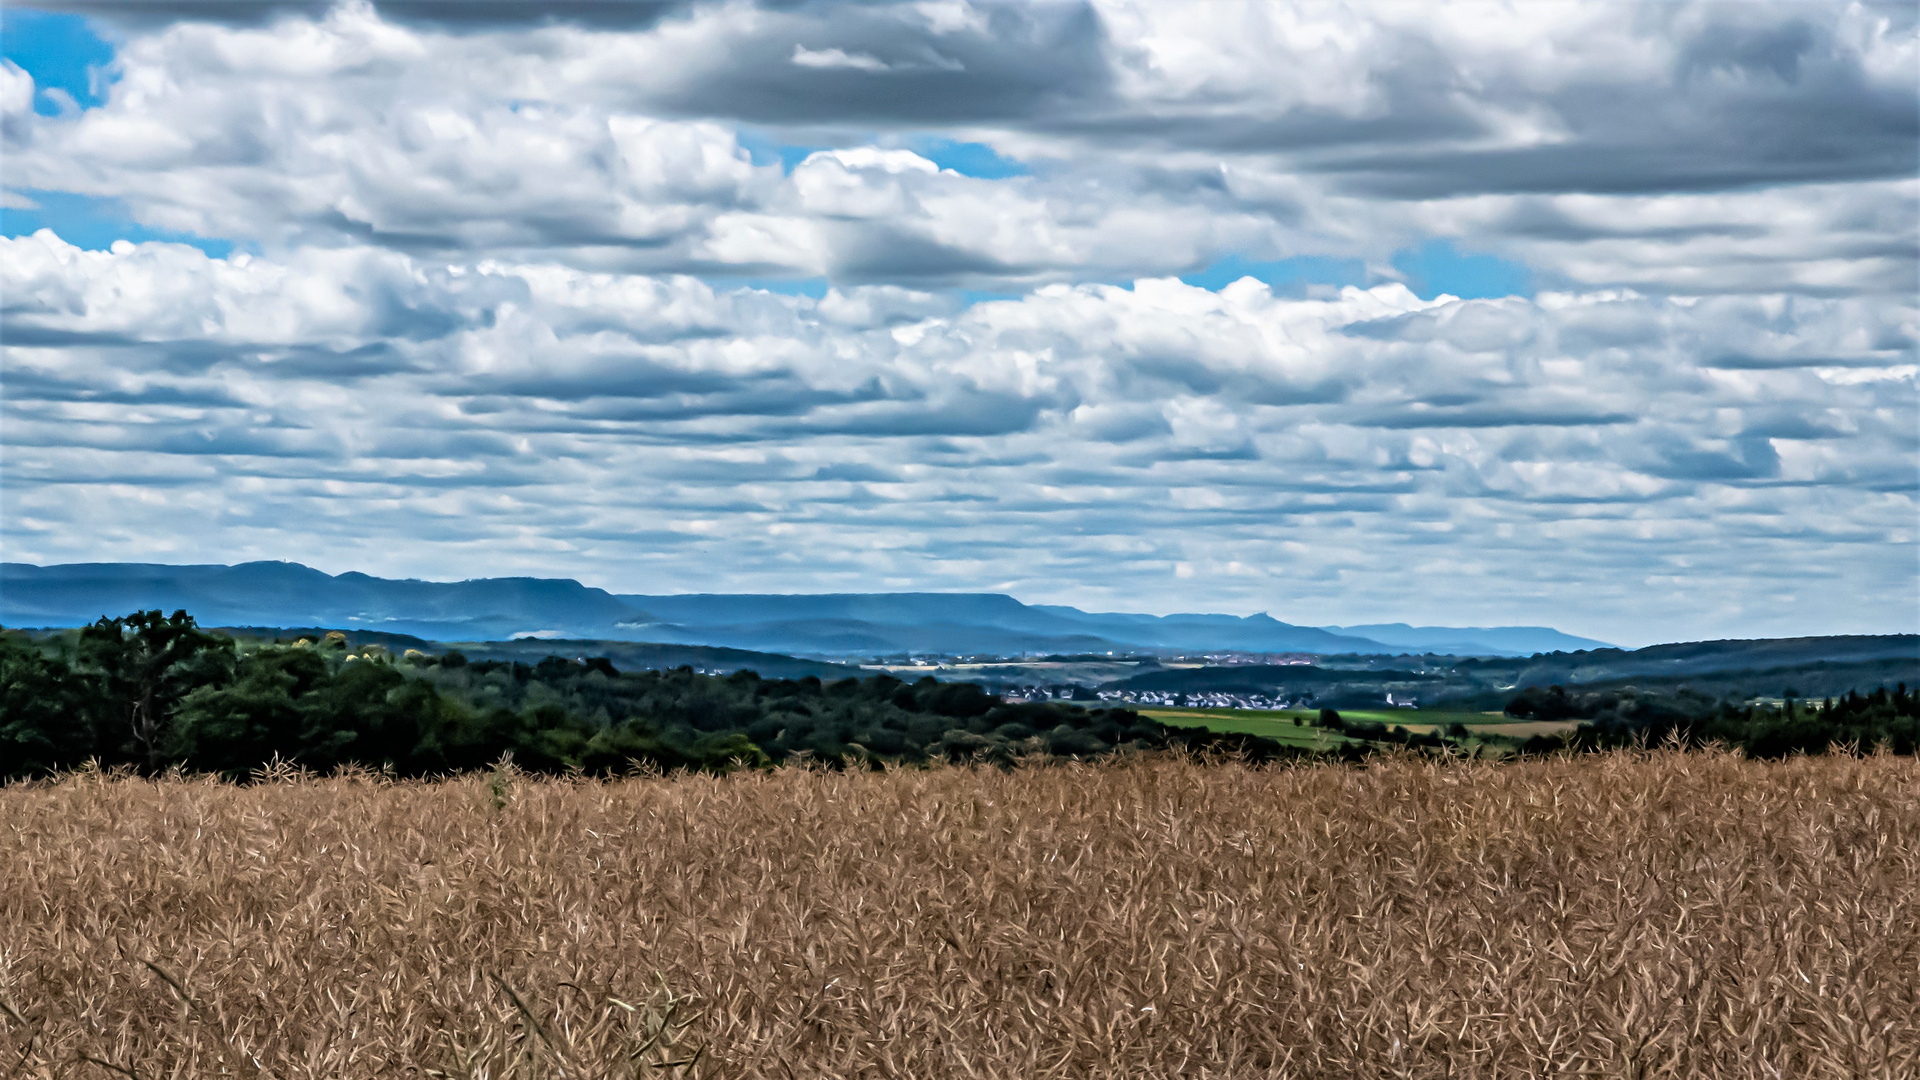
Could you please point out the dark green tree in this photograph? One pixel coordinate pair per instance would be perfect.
(233, 728)
(42, 704)
(143, 665)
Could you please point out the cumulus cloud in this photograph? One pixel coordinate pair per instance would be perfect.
(16, 105)
(1423, 101)
(1600, 144)
(1691, 461)
(352, 129)
(538, 288)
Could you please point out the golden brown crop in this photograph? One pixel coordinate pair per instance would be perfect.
(1623, 915)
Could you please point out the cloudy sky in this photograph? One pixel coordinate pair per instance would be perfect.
(1601, 316)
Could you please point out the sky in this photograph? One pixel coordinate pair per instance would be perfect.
(1600, 316)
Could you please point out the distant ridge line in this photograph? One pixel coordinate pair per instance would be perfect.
(834, 625)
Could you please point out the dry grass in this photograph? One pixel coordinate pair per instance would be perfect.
(1650, 915)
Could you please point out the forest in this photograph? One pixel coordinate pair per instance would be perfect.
(1624, 716)
(155, 692)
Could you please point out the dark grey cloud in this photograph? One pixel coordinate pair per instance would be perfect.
(1239, 450)
(426, 442)
(858, 64)
(1422, 415)
(602, 377)
(1793, 423)
(191, 440)
(375, 358)
(1832, 125)
(1751, 50)
(952, 413)
(881, 254)
(1749, 362)
(1750, 457)
(50, 387)
(188, 357)
(855, 472)
(1543, 220)
(1754, 96)
(743, 402)
(1774, 100)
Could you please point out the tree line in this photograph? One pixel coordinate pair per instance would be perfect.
(153, 692)
(1627, 716)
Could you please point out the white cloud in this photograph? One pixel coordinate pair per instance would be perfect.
(1686, 467)
(836, 58)
(492, 317)
(1597, 143)
(16, 104)
(16, 89)
(951, 16)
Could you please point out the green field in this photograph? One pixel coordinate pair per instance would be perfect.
(1278, 724)
(1273, 724)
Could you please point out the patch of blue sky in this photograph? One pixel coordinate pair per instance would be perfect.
(1437, 267)
(1430, 269)
(970, 297)
(764, 149)
(1289, 276)
(968, 158)
(62, 53)
(93, 223)
(815, 287)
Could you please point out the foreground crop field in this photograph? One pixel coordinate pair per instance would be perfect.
(1659, 914)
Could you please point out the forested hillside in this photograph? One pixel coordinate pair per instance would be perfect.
(1622, 716)
(154, 692)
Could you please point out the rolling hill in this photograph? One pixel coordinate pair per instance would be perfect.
(828, 626)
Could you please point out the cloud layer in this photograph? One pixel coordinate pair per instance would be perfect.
(1371, 451)
(1714, 148)
(848, 296)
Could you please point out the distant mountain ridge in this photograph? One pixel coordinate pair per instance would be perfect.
(289, 594)
(836, 625)
(1471, 640)
(968, 623)
(1692, 658)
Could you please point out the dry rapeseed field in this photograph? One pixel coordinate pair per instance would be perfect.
(1653, 914)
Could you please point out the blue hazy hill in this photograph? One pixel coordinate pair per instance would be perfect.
(1470, 640)
(1200, 632)
(289, 594)
(822, 625)
(964, 623)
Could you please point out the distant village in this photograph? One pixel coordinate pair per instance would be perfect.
(1168, 698)
(1207, 699)
(1214, 659)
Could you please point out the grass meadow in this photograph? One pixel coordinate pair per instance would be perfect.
(1275, 724)
(1279, 725)
(1641, 914)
